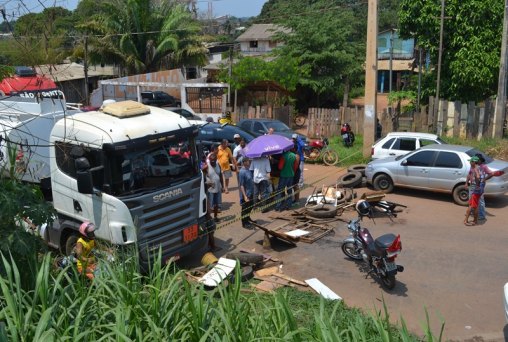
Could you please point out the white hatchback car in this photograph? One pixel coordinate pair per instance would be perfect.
(399, 143)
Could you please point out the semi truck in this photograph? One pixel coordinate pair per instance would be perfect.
(112, 167)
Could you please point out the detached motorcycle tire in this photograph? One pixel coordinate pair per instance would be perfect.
(358, 168)
(322, 211)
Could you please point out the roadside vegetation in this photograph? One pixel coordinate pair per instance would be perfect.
(123, 305)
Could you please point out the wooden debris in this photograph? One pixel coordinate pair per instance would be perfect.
(292, 280)
(266, 286)
(267, 271)
(322, 289)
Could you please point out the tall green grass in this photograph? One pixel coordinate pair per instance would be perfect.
(122, 305)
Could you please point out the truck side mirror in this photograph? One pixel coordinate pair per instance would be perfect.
(84, 176)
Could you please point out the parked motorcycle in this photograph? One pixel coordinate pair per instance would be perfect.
(320, 149)
(348, 137)
(378, 254)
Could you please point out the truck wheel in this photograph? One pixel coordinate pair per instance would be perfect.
(70, 244)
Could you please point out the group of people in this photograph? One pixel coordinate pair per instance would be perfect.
(478, 174)
(268, 183)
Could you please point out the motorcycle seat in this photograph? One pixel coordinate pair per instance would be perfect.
(385, 241)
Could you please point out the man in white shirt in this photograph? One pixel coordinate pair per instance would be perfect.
(261, 177)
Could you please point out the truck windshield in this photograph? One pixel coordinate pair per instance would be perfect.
(144, 169)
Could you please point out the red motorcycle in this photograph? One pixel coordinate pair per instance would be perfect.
(379, 254)
(320, 149)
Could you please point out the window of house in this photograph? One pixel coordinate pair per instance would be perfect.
(381, 43)
(253, 44)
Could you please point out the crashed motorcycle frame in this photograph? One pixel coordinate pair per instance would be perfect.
(378, 254)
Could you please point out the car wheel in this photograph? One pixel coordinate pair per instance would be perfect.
(384, 183)
(461, 195)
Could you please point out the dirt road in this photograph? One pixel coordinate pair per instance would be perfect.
(454, 272)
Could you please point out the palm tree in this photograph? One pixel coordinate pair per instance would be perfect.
(145, 35)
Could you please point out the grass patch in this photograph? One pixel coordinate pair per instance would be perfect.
(122, 305)
(347, 155)
(494, 147)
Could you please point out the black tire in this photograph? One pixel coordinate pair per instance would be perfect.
(350, 179)
(300, 121)
(322, 211)
(461, 195)
(359, 168)
(349, 248)
(388, 281)
(246, 258)
(364, 182)
(246, 273)
(70, 244)
(384, 183)
(330, 158)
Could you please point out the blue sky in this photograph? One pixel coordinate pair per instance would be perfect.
(237, 8)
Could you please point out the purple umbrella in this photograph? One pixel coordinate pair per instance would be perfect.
(266, 145)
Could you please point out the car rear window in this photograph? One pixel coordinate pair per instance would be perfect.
(404, 144)
(388, 144)
(473, 151)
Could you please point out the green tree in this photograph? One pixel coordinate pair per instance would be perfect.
(286, 72)
(471, 44)
(326, 41)
(144, 35)
(42, 38)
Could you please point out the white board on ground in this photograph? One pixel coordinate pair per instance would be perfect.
(297, 233)
(322, 289)
(219, 272)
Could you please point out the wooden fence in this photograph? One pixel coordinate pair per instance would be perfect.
(326, 122)
(453, 119)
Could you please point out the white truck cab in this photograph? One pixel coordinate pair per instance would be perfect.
(99, 167)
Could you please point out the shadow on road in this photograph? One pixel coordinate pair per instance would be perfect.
(400, 287)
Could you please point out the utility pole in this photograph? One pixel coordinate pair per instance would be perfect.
(439, 57)
(500, 112)
(391, 60)
(85, 68)
(370, 79)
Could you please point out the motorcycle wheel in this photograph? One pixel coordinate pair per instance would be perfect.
(312, 154)
(388, 281)
(330, 158)
(349, 248)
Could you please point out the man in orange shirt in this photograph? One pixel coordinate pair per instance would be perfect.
(226, 161)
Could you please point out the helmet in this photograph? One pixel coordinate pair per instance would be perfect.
(86, 229)
(363, 207)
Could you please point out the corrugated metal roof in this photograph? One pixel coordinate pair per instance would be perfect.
(73, 71)
(260, 32)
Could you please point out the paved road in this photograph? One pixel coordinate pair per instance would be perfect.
(454, 272)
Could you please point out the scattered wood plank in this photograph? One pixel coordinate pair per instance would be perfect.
(266, 286)
(322, 289)
(292, 280)
(274, 279)
(267, 271)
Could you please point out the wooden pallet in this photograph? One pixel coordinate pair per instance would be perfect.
(315, 231)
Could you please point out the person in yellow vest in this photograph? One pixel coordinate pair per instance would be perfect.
(84, 247)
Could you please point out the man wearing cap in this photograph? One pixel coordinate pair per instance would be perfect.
(477, 183)
(236, 139)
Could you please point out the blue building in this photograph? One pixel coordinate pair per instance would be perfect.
(402, 54)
